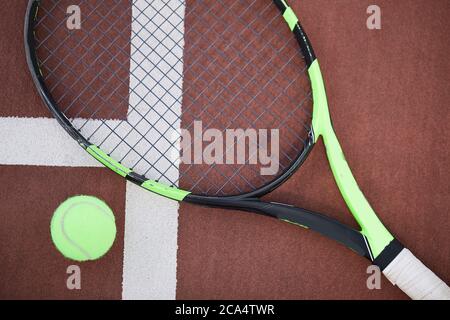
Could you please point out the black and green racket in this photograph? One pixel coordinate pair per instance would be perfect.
(131, 75)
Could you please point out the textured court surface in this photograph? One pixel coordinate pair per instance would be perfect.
(390, 85)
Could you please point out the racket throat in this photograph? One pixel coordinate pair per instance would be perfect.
(322, 224)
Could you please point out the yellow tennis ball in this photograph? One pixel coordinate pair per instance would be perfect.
(83, 228)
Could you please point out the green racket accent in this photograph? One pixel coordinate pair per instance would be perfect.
(156, 187)
(371, 227)
(108, 161)
(321, 121)
(168, 192)
(291, 18)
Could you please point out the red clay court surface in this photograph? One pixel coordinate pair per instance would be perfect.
(388, 93)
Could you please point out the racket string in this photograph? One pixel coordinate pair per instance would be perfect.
(236, 95)
(104, 123)
(229, 65)
(143, 117)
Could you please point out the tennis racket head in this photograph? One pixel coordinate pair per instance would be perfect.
(130, 78)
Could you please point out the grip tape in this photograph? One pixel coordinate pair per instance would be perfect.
(415, 279)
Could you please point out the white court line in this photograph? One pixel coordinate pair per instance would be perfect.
(40, 142)
(150, 256)
(152, 224)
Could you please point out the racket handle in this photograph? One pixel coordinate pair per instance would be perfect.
(415, 279)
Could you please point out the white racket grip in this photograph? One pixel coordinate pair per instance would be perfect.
(415, 279)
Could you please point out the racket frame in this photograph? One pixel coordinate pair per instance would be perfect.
(364, 242)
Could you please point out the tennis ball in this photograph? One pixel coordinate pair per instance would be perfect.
(83, 228)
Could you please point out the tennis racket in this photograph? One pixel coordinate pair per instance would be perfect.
(135, 81)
